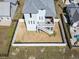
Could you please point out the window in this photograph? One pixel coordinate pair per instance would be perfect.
(37, 22)
(33, 22)
(51, 28)
(48, 22)
(74, 30)
(48, 28)
(29, 22)
(40, 17)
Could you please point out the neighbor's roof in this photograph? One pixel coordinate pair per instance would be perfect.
(4, 8)
(32, 6)
(77, 1)
(74, 12)
(12, 1)
(78, 25)
(1, 0)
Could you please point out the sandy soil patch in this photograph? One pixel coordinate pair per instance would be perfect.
(26, 36)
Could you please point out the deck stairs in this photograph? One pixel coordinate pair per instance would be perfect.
(47, 28)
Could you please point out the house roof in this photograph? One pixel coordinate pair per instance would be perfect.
(32, 6)
(12, 1)
(74, 12)
(75, 1)
(1, 0)
(78, 25)
(4, 8)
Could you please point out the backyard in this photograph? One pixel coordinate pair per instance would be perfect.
(31, 36)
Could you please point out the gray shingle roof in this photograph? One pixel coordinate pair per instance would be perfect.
(1, 0)
(12, 1)
(32, 6)
(74, 12)
(78, 25)
(77, 1)
(4, 8)
(75, 17)
(13, 7)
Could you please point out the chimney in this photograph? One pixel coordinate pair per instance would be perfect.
(30, 15)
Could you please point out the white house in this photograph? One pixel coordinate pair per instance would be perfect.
(7, 11)
(5, 17)
(39, 15)
(13, 6)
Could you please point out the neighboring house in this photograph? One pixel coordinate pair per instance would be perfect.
(7, 11)
(73, 12)
(11, 1)
(14, 5)
(70, 1)
(66, 2)
(39, 15)
(74, 1)
(5, 15)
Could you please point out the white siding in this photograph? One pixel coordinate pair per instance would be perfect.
(5, 21)
(4, 8)
(41, 15)
(30, 22)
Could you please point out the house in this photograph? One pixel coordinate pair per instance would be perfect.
(70, 1)
(7, 11)
(39, 15)
(14, 5)
(73, 12)
(11, 1)
(5, 16)
(74, 1)
(66, 2)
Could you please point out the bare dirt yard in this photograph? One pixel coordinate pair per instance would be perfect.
(6, 34)
(3, 40)
(28, 36)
